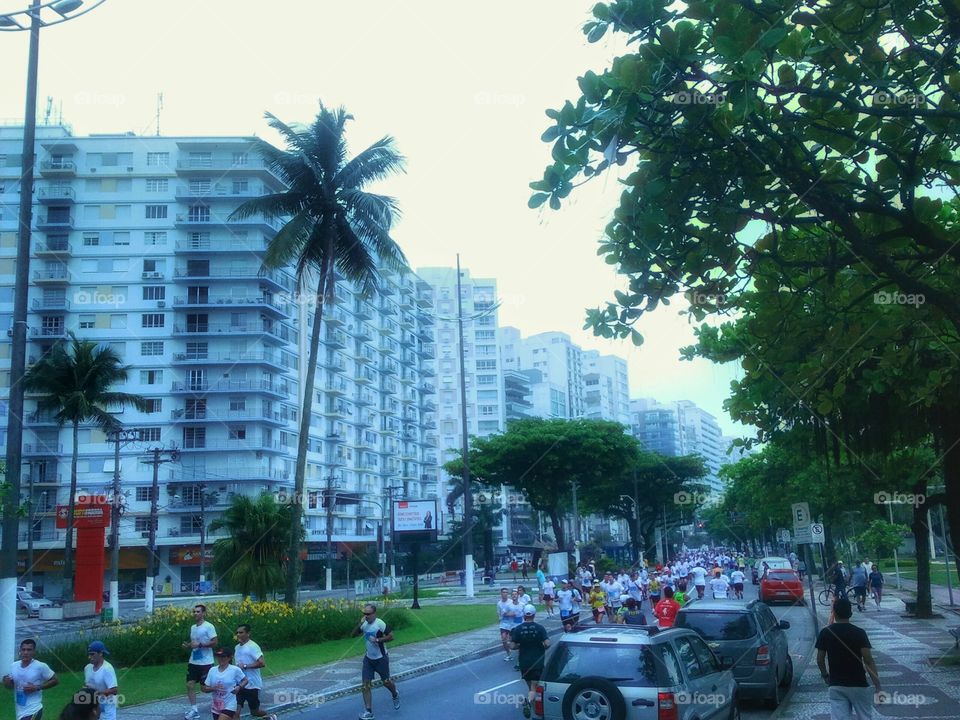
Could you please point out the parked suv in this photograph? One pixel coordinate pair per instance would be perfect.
(636, 672)
(751, 639)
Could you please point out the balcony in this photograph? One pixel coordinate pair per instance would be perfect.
(336, 388)
(231, 386)
(362, 311)
(254, 167)
(49, 332)
(261, 302)
(336, 340)
(195, 221)
(218, 192)
(363, 332)
(428, 352)
(62, 168)
(237, 244)
(54, 222)
(252, 414)
(363, 401)
(363, 376)
(407, 379)
(428, 389)
(51, 304)
(258, 446)
(52, 247)
(42, 449)
(336, 364)
(388, 367)
(336, 411)
(245, 472)
(230, 358)
(55, 195)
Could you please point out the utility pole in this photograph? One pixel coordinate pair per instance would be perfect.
(636, 515)
(896, 558)
(117, 435)
(576, 523)
(330, 498)
(157, 457)
(393, 567)
(465, 448)
(203, 535)
(30, 534)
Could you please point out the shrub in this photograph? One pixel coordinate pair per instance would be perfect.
(157, 639)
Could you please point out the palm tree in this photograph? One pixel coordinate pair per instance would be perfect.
(252, 559)
(330, 224)
(75, 377)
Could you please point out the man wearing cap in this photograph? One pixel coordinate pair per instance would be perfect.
(100, 675)
(375, 661)
(598, 601)
(28, 679)
(203, 638)
(530, 640)
(225, 681)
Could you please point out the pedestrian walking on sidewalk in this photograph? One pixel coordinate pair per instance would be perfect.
(876, 585)
(844, 657)
(28, 678)
(226, 682)
(102, 678)
(375, 660)
(249, 658)
(531, 642)
(203, 639)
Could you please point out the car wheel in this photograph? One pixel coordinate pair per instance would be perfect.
(773, 700)
(593, 698)
(788, 675)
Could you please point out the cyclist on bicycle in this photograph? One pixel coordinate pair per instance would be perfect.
(876, 585)
(838, 577)
(858, 579)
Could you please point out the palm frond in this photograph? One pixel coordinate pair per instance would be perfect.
(277, 205)
(289, 243)
(377, 162)
(354, 260)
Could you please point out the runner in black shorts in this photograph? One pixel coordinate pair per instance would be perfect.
(530, 638)
(375, 660)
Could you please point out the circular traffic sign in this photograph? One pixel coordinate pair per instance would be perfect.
(816, 529)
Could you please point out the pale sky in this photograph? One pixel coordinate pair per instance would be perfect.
(461, 86)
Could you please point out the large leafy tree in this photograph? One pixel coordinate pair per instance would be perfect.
(543, 458)
(76, 380)
(253, 558)
(331, 225)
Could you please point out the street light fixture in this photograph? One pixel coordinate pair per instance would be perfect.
(39, 14)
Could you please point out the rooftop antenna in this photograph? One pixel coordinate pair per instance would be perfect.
(49, 109)
(159, 108)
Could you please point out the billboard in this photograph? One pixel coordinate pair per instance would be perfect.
(416, 520)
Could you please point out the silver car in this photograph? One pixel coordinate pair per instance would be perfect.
(622, 672)
(31, 602)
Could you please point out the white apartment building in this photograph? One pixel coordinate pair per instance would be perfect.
(132, 247)
(606, 387)
(682, 428)
(557, 385)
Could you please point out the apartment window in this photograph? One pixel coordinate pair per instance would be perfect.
(151, 377)
(155, 212)
(121, 238)
(118, 322)
(152, 320)
(196, 409)
(197, 351)
(88, 322)
(488, 410)
(238, 432)
(149, 434)
(198, 213)
(194, 437)
(155, 238)
(91, 239)
(239, 158)
(486, 379)
(144, 494)
(120, 348)
(485, 335)
(201, 159)
(154, 292)
(486, 349)
(241, 186)
(486, 365)
(142, 524)
(157, 184)
(153, 265)
(154, 405)
(238, 404)
(151, 348)
(158, 159)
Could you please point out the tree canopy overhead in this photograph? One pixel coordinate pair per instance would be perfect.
(746, 119)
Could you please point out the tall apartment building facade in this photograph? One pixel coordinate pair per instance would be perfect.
(682, 428)
(132, 248)
(606, 387)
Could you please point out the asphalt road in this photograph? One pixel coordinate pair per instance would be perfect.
(490, 688)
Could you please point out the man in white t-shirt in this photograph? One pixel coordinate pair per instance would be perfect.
(226, 682)
(720, 587)
(549, 592)
(203, 639)
(28, 678)
(249, 658)
(614, 590)
(699, 576)
(100, 676)
(505, 611)
(375, 660)
(737, 577)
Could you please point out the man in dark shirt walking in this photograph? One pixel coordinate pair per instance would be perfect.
(844, 647)
(530, 639)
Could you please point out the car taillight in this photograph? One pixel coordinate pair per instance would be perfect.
(666, 706)
(538, 701)
(763, 655)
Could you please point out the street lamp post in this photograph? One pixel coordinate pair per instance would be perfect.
(39, 14)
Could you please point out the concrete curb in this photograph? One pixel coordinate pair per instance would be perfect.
(320, 698)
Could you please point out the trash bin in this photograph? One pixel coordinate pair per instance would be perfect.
(106, 615)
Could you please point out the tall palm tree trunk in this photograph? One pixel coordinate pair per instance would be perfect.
(303, 444)
(71, 509)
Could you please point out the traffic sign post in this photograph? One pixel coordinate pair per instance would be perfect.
(817, 534)
(801, 523)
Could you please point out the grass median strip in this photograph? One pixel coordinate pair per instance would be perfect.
(146, 684)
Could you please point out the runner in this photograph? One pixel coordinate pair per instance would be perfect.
(28, 678)
(681, 597)
(630, 613)
(100, 675)
(549, 591)
(699, 577)
(530, 640)
(737, 577)
(249, 658)
(541, 580)
(598, 600)
(226, 682)
(203, 639)
(666, 610)
(505, 615)
(375, 660)
(523, 597)
(858, 578)
(876, 585)
(569, 599)
(613, 590)
(654, 590)
(720, 587)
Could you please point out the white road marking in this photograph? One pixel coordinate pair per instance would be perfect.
(484, 692)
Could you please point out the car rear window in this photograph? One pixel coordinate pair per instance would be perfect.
(718, 625)
(783, 575)
(626, 665)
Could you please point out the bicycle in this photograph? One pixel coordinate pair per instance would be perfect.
(828, 594)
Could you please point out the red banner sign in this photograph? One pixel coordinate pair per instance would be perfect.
(85, 515)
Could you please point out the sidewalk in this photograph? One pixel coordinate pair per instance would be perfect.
(323, 683)
(905, 650)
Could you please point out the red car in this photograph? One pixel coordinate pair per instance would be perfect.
(781, 585)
